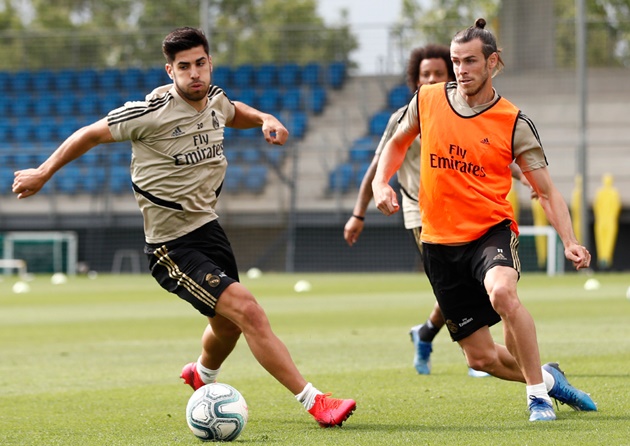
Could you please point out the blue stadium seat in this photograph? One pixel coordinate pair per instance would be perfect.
(249, 133)
(131, 79)
(64, 81)
(21, 159)
(296, 122)
(336, 74)
(5, 82)
(23, 131)
(92, 179)
(312, 74)
(44, 105)
(5, 105)
(21, 107)
(243, 76)
(109, 102)
(6, 132)
(289, 75)
(359, 173)
(88, 104)
(256, 178)
(45, 131)
(119, 179)
(360, 154)
(68, 179)
(274, 155)
(86, 80)
(247, 95)
(291, 99)
(378, 123)
(250, 155)
(340, 179)
(398, 97)
(108, 80)
(316, 99)
(6, 178)
(234, 177)
(222, 76)
(269, 100)
(20, 81)
(65, 106)
(265, 75)
(42, 80)
(68, 125)
(155, 77)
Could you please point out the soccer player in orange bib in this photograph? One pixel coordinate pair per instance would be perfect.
(470, 136)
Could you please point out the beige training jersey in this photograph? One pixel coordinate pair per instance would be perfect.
(408, 174)
(177, 163)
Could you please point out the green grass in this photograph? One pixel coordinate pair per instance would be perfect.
(96, 362)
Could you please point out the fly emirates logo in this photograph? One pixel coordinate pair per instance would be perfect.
(456, 160)
(203, 151)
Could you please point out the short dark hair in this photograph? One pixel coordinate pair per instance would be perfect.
(431, 51)
(478, 31)
(181, 39)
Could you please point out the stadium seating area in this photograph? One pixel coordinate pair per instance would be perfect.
(347, 175)
(38, 109)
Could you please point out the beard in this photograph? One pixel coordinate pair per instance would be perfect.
(191, 95)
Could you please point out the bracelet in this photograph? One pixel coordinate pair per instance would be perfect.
(358, 217)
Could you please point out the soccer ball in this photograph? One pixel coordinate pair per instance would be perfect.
(216, 412)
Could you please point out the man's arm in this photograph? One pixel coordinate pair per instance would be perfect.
(28, 182)
(246, 117)
(390, 161)
(558, 216)
(354, 225)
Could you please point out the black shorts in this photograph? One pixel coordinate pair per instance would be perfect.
(197, 267)
(457, 273)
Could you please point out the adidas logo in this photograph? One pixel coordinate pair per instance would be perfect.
(499, 256)
(177, 132)
(485, 141)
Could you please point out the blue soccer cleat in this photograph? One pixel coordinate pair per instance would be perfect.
(540, 410)
(422, 357)
(565, 393)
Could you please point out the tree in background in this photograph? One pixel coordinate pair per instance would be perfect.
(75, 33)
(608, 26)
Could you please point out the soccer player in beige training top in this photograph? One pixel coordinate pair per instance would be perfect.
(177, 171)
(470, 136)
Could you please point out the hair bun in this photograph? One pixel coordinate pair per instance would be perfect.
(480, 23)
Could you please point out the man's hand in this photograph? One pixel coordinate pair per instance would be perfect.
(275, 133)
(28, 182)
(579, 255)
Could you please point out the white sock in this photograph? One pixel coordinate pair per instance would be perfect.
(538, 391)
(548, 380)
(207, 375)
(307, 396)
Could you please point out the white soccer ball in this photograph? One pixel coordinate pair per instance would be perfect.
(254, 273)
(216, 412)
(592, 284)
(58, 279)
(302, 286)
(21, 287)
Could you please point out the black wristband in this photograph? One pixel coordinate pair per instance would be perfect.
(358, 217)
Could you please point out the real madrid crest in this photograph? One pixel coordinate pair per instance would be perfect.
(215, 121)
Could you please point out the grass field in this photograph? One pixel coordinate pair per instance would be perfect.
(97, 362)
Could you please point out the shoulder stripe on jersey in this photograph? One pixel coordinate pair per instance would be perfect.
(214, 91)
(155, 200)
(141, 109)
(531, 125)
